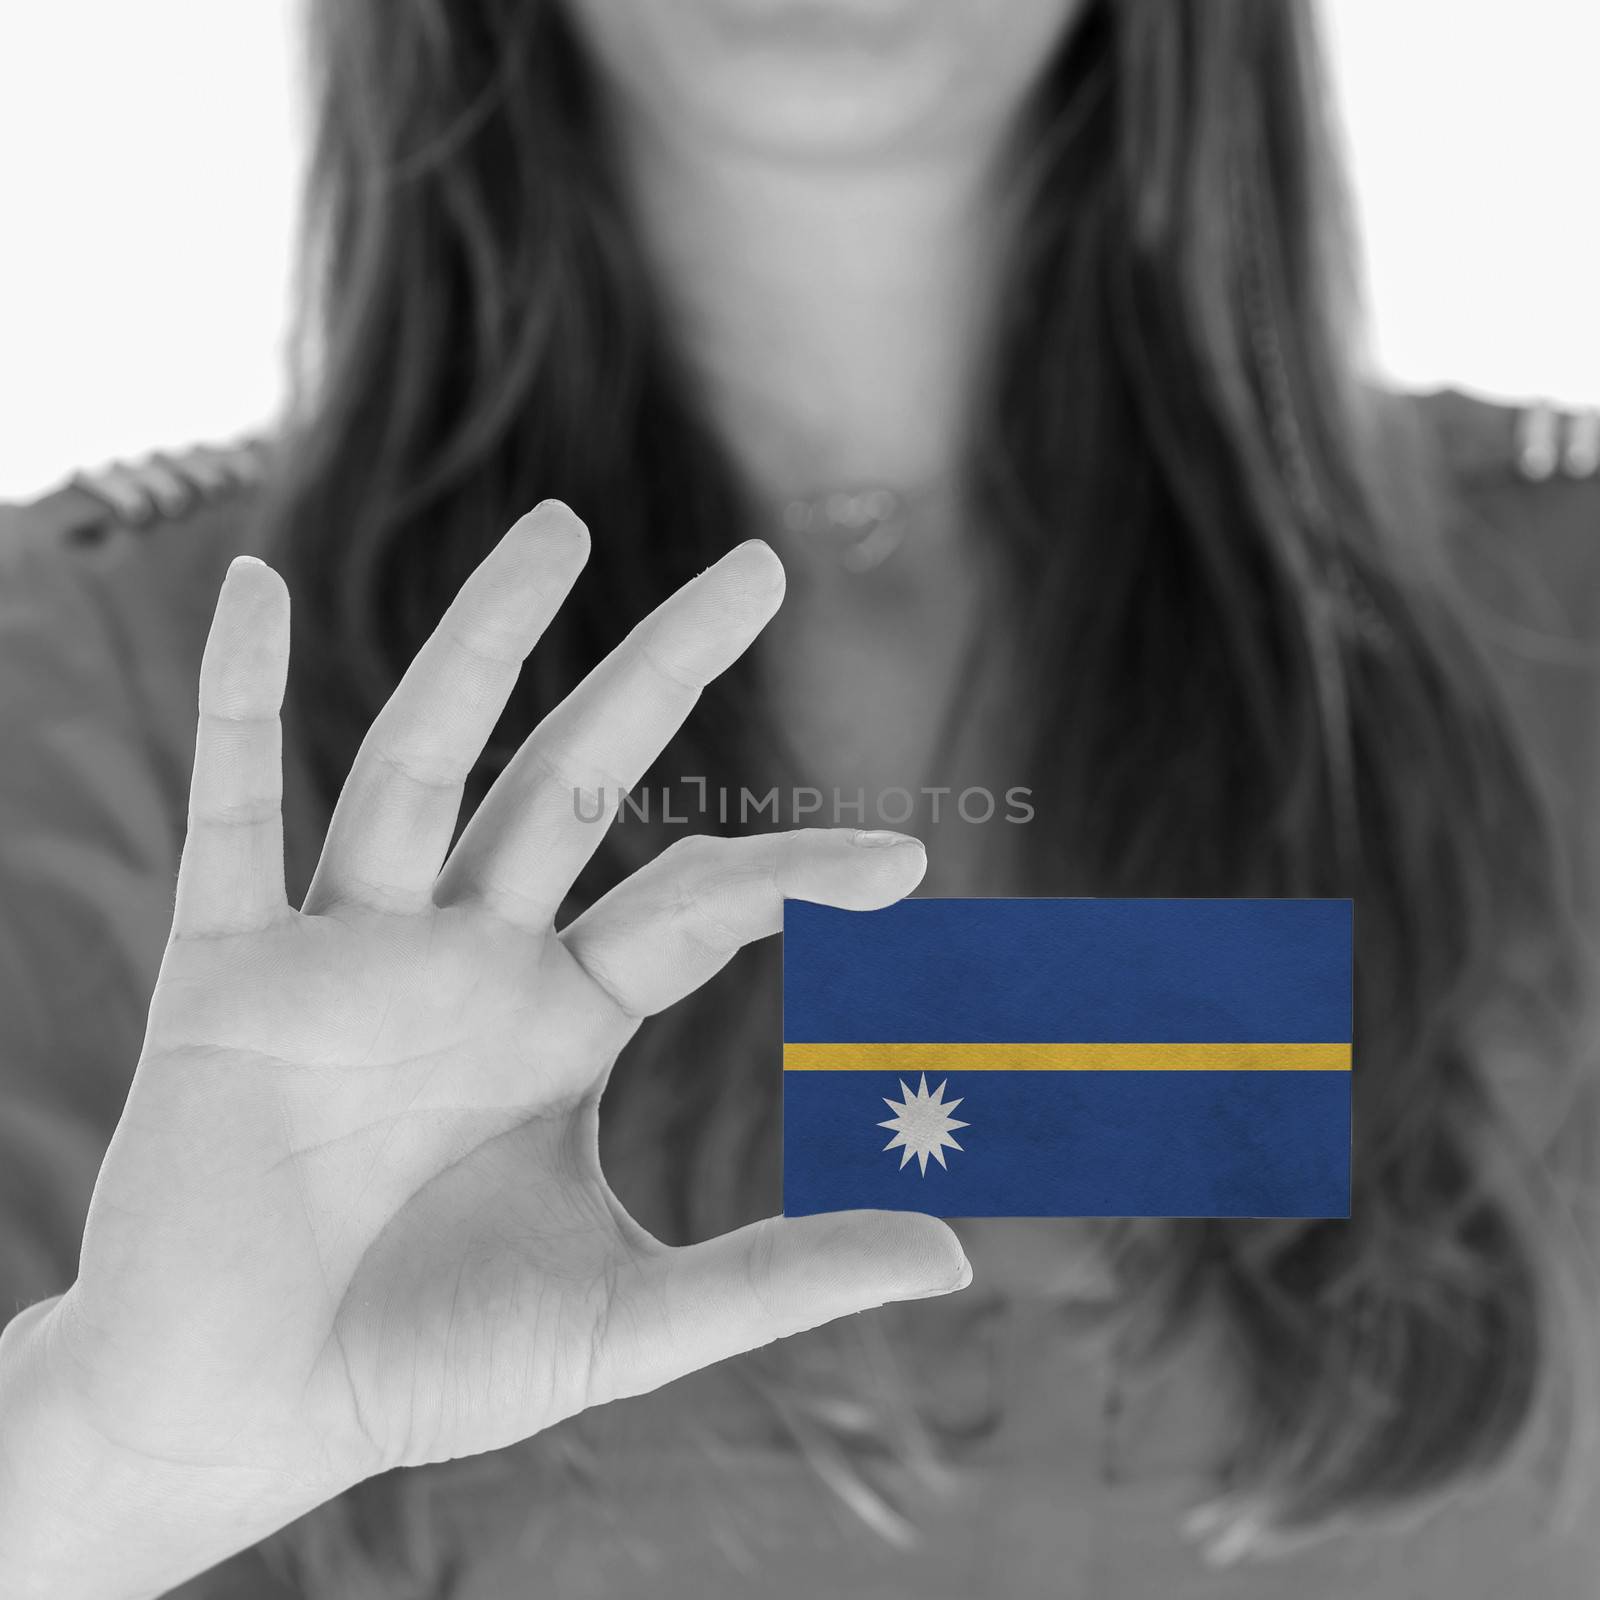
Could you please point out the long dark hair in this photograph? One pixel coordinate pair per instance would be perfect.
(1250, 670)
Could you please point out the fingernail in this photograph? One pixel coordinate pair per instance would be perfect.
(881, 839)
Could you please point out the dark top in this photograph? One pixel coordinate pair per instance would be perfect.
(106, 592)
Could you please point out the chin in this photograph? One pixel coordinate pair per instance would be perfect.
(821, 76)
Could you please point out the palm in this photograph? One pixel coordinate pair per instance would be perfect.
(407, 1109)
(354, 1214)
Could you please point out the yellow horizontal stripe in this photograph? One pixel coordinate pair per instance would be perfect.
(1118, 1057)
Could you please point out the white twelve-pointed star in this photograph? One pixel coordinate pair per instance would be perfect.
(922, 1125)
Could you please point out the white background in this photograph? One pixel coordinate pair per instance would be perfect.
(148, 167)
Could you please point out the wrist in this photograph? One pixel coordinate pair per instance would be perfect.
(84, 1518)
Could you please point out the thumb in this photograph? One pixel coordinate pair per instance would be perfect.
(687, 1308)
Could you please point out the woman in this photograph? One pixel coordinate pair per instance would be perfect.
(1027, 350)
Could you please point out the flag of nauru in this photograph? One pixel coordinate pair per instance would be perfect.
(1027, 1058)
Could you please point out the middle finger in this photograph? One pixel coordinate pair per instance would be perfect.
(550, 807)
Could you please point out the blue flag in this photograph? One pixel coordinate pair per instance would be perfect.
(1031, 1058)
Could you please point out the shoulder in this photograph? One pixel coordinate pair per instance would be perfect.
(1521, 491)
(164, 490)
(117, 569)
(107, 586)
(107, 590)
(1496, 444)
(1521, 483)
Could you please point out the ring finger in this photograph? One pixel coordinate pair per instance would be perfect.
(398, 809)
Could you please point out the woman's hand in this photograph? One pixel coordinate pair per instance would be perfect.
(353, 1216)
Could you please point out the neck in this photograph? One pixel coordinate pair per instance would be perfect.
(831, 312)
